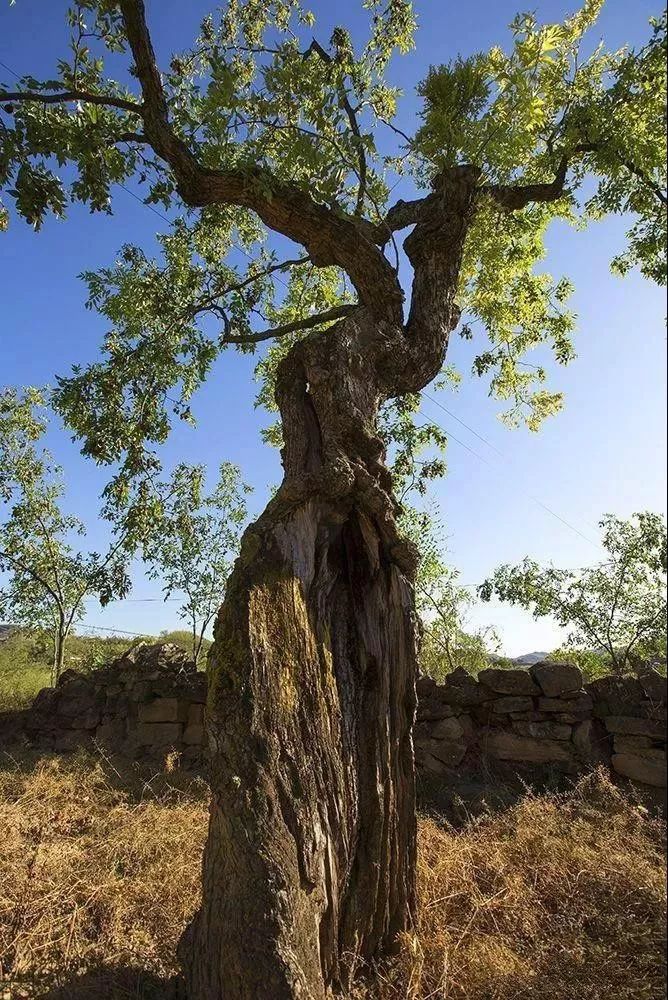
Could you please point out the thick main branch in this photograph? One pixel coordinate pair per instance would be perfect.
(330, 235)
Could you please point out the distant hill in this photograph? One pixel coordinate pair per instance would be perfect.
(6, 631)
(527, 659)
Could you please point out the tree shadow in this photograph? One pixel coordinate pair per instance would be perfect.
(159, 778)
(461, 796)
(110, 982)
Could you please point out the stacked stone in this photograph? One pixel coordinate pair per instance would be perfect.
(444, 731)
(149, 701)
(152, 699)
(543, 717)
(633, 711)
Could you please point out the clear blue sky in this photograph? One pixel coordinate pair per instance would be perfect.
(604, 453)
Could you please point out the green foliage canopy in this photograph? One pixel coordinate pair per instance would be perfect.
(256, 98)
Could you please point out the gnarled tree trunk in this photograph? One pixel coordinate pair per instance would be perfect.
(310, 861)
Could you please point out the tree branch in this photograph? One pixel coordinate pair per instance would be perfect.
(23, 96)
(31, 573)
(346, 106)
(517, 196)
(399, 216)
(338, 312)
(330, 235)
(211, 299)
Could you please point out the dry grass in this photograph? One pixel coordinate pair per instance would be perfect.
(94, 878)
(558, 897)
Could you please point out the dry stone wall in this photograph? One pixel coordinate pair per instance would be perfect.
(152, 702)
(543, 718)
(147, 703)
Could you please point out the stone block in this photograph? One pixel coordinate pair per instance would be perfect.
(503, 706)
(615, 695)
(642, 769)
(556, 679)
(460, 689)
(524, 749)
(157, 734)
(449, 752)
(508, 681)
(466, 722)
(583, 736)
(543, 730)
(142, 691)
(426, 762)
(447, 729)
(425, 686)
(570, 706)
(631, 743)
(197, 687)
(628, 726)
(111, 733)
(164, 710)
(638, 746)
(654, 686)
(433, 708)
(71, 676)
(196, 715)
(73, 704)
(193, 735)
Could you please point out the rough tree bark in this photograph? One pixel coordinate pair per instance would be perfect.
(310, 857)
(310, 861)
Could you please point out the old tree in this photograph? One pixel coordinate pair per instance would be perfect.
(259, 132)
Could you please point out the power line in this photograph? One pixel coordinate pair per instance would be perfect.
(460, 421)
(146, 600)
(486, 462)
(505, 458)
(450, 435)
(116, 631)
(9, 69)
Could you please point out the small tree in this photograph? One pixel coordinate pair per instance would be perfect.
(442, 605)
(192, 546)
(617, 607)
(47, 578)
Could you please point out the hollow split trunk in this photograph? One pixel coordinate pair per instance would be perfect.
(310, 860)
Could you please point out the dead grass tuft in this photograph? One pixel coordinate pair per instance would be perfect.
(558, 896)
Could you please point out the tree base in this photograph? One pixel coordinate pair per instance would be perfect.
(310, 861)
